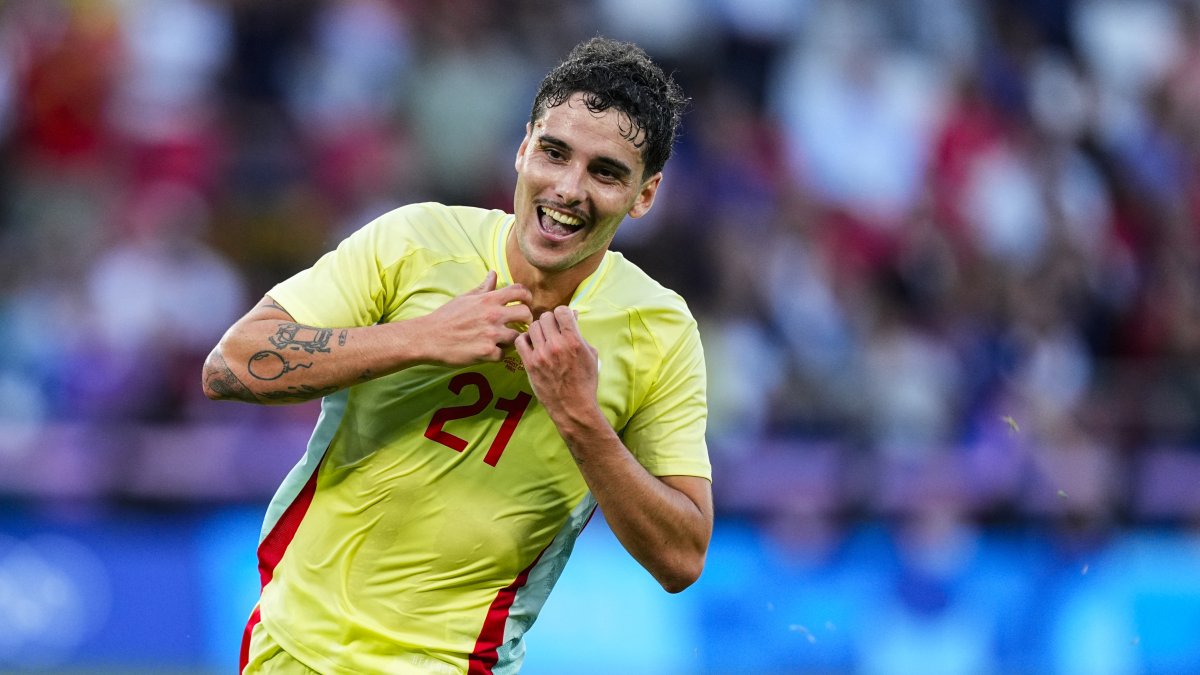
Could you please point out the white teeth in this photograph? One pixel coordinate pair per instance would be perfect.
(563, 218)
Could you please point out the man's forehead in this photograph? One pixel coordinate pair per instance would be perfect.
(577, 103)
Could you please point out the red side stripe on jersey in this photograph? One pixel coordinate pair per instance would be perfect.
(270, 551)
(244, 659)
(483, 658)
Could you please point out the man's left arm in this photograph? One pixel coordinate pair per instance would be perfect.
(664, 522)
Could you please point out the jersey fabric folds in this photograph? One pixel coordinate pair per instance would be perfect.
(435, 508)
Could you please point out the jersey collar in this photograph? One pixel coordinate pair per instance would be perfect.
(583, 292)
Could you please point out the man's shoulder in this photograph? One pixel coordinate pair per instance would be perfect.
(631, 287)
(436, 225)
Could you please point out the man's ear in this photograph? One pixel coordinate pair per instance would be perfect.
(524, 144)
(645, 198)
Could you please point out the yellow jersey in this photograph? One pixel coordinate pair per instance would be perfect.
(435, 507)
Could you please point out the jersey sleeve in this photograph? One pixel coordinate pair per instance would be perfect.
(666, 433)
(352, 285)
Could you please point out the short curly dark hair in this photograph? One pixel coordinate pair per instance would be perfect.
(619, 75)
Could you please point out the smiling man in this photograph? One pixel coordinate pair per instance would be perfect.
(488, 381)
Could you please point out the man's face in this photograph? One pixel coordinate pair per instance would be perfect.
(577, 179)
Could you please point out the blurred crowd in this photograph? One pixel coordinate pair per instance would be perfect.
(960, 234)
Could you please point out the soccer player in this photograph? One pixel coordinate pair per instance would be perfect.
(489, 379)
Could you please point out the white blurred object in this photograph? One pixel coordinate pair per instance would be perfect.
(1129, 44)
(660, 27)
(911, 381)
(163, 284)
(744, 371)
(362, 52)
(175, 50)
(858, 115)
(1058, 97)
(1056, 373)
(1003, 204)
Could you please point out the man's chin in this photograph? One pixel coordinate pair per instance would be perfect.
(547, 257)
(551, 264)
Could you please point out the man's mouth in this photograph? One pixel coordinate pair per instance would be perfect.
(558, 225)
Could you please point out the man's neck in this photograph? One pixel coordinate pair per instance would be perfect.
(549, 289)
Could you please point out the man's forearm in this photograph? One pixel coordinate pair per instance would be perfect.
(664, 523)
(268, 358)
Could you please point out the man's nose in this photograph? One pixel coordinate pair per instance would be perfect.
(569, 184)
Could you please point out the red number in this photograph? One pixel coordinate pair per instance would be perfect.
(514, 407)
(456, 412)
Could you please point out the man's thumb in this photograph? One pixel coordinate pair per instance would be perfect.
(488, 285)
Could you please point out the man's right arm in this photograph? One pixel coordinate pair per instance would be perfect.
(267, 357)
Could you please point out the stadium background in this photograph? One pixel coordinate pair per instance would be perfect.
(944, 255)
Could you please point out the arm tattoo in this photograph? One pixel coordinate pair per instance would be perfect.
(271, 365)
(296, 337)
(268, 365)
(219, 378)
(270, 302)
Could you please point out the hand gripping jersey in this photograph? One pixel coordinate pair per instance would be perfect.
(435, 508)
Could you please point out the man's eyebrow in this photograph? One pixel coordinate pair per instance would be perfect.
(618, 167)
(547, 139)
(615, 165)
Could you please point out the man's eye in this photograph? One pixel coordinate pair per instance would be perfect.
(553, 153)
(608, 175)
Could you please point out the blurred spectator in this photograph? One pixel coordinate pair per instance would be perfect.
(159, 298)
(165, 104)
(465, 75)
(346, 96)
(857, 113)
(900, 223)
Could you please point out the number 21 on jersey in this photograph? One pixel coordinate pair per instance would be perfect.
(513, 408)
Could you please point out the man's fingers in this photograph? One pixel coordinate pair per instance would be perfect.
(508, 337)
(518, 314)
(559, 320)
(537, 337)
(549, 323)
(567, 318)
(524, 346)
(513, 293)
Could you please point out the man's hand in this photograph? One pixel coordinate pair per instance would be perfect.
(563, 369)
(477, 325)
(664, 522)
